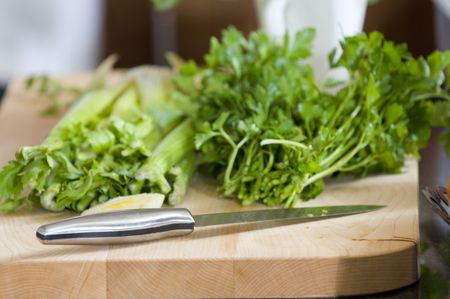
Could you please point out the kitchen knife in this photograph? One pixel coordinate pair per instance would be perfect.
(139, 225)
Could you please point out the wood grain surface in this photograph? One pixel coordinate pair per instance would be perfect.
(355, 255)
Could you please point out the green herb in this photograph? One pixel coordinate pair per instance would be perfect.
(165, 4)
(270, 134)
(100, 149)
(433, 285)
(54, 91)
(444, 249)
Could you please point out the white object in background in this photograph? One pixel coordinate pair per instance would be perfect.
(442, 23)
(444, 6)
(49, 36)
(332, 19)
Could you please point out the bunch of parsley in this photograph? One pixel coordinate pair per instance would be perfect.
(271, 134)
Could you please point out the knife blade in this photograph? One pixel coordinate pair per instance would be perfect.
(139, 225)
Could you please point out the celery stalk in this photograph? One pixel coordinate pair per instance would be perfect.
(89, 106)
(183, 173)
(175, 146)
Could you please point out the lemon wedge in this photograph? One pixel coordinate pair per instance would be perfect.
(138, 201)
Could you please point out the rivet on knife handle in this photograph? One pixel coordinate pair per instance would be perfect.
(118, 227)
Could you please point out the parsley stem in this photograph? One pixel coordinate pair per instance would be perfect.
(350, 93)
(335, 155)
(365, 162)
(283, 142)
(231, 160)
(227, 138)
(427, 96)
(339, 164)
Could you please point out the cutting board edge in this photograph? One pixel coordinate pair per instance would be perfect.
(224, 277)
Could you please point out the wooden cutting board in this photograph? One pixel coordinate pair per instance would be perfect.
(353, 255)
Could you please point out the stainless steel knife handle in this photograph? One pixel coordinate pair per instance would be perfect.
(118, 227)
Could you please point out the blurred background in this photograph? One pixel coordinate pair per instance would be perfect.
(60, 36)
(129, 25)
(55, 37)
